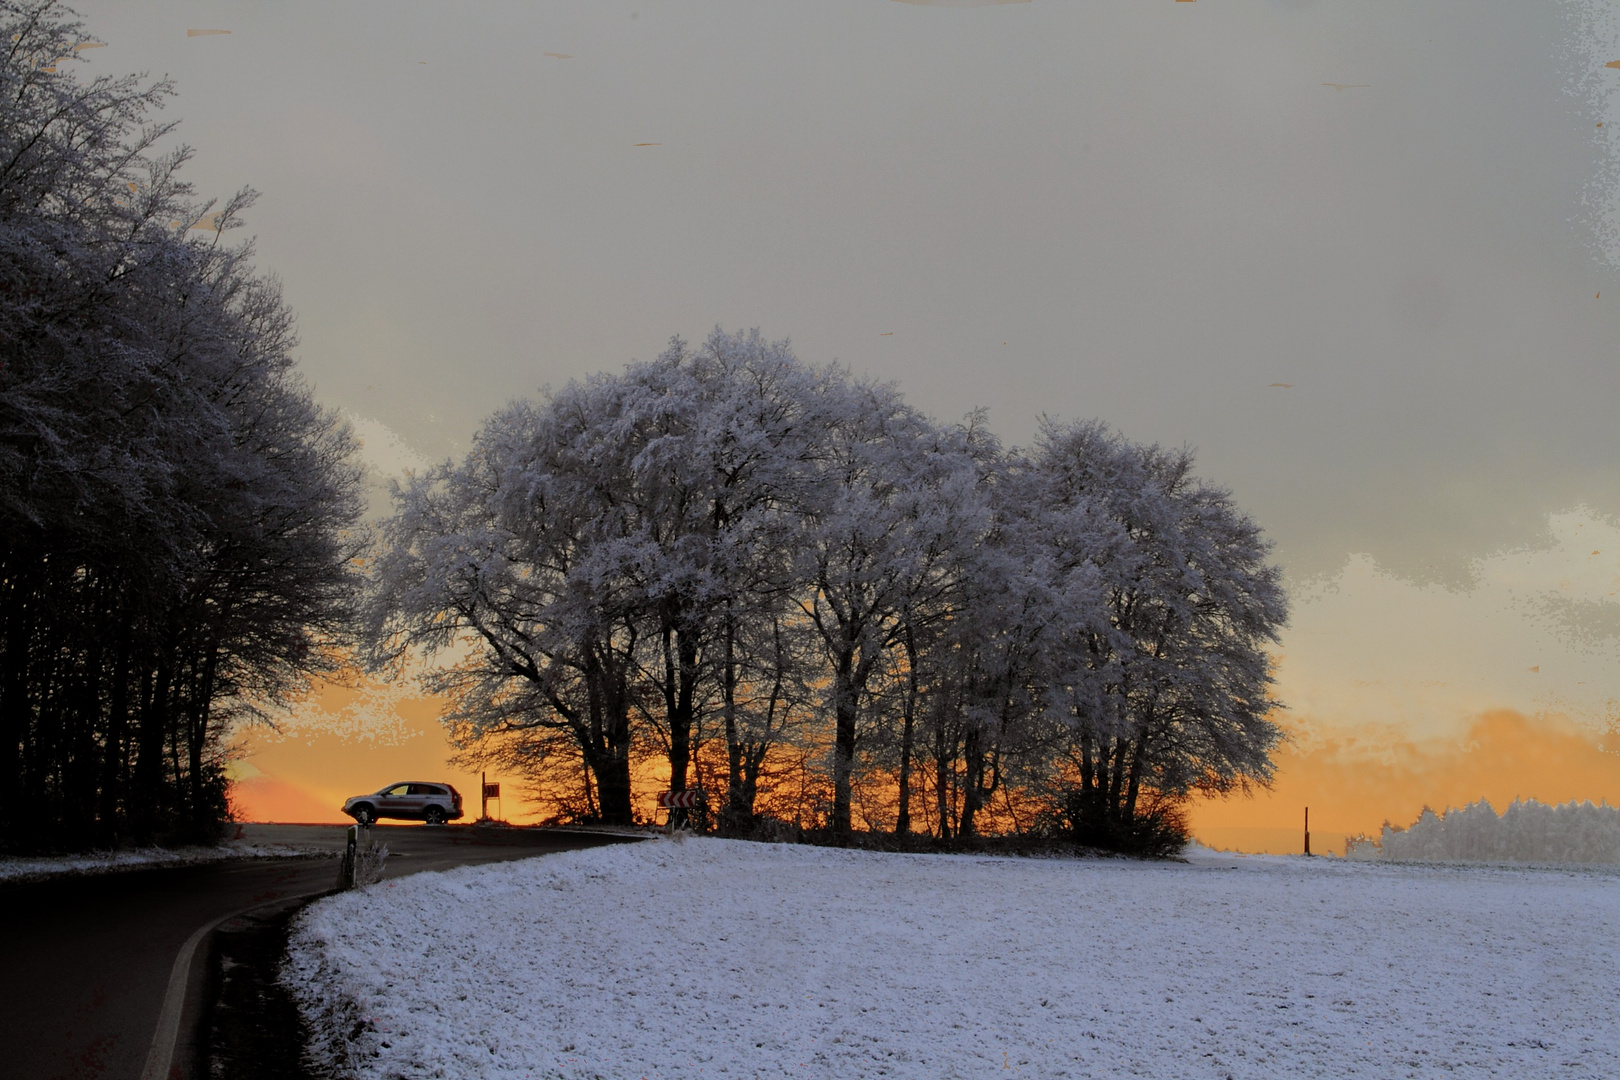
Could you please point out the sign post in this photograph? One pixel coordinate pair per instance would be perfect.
(487, 791)
(1307, 830)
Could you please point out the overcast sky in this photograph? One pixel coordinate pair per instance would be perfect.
(1149, 212)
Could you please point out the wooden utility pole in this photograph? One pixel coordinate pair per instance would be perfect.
(1307, 830)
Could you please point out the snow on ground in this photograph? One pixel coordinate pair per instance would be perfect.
(714, 958)
(99, 862)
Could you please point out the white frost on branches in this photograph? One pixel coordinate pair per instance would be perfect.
(726, 544)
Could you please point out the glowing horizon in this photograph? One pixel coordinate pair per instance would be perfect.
(1365, 259)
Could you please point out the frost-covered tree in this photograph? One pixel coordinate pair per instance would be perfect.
(753, 445)
(710, 445)
(613, 554)
(893, 496)
(511, 563)
(174, 506)
(993, 664)
(723, 547)
(1162, 668)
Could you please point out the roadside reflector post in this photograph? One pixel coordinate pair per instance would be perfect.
(346, 871)
(1307, 830)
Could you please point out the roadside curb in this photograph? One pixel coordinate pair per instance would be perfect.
(160, 1057)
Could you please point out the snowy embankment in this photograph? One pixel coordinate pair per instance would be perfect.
(31, 868)
(727, 959)
(1528, 831)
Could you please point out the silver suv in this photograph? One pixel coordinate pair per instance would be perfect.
(411, 800)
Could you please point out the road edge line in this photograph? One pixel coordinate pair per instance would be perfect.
(160, 1057)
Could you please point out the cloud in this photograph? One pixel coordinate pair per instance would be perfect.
(1589, 625)
(1594, 40)
(1402, 694)
(359, 708)
(340, 741)
(1537, 630)
(384, 450)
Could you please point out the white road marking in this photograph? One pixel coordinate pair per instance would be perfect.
(161, 1055)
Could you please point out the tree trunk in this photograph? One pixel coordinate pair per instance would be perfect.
(1091, 815)
(1117, 778)
(613, 788)
(154, 726)
(14, 707)
(753, 762)
(736, 811)
(680, 669)
(973, 790)
(112, 755)
(908, 723)
(590, 789)
(609, 737)
(1134, 784)
(82, 769)
(680, 727)
(844, 744)
(944, 760)
(1087, 767)
(197, 741)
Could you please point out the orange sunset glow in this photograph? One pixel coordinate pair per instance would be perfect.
(1039, 226)
(927, 537)
(1353, 780)
(327, 753)
(1353, 783)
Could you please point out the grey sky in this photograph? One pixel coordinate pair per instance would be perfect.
(1146, 211)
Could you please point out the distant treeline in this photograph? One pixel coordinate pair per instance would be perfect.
(173, 504)
(1528, 831)
(726, 567)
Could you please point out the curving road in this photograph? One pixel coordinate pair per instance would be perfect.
(87, 960)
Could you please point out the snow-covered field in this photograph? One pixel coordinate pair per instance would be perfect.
(101, 862)
(713, 958)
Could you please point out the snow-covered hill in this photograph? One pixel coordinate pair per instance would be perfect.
(725, 959)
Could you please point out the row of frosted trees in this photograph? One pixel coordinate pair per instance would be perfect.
(720, 567)
(174, 506)
(726, 567)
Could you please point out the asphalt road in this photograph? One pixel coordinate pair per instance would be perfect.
(86, 960)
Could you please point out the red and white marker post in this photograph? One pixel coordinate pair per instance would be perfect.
(491, 791)
(677, 800)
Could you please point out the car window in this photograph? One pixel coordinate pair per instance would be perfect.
(397, 789)
(424, 789)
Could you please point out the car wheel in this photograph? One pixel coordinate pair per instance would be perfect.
(435, 815)
(365, 813)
